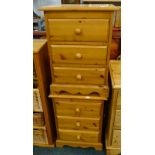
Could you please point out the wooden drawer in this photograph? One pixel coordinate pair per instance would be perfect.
(40, 136)
(79, 30)
(83, 136)
(80, 108)
(78, 123)
(117, 122)
(78, 54)
(116, 140)
(71, 75)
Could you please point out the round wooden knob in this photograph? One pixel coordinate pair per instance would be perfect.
(78, 55)
(77, 31)
(78, 124)
(77, 110)
(78, 76)
(78, 137)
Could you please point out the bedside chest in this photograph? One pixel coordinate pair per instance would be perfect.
(79, 39)
(113, 131)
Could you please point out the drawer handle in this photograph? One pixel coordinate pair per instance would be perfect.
(77, 110)
(77, 31)
(78, 55)
(78, 137)
(78, 124)
(79, 77)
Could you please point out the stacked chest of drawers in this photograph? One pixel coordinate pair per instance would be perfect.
(113, 131)
(79, 38)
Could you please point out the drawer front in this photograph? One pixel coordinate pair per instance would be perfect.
(83, 136)
(70, 75)
(78, 123)
(79, 109)
(78, 54)
(116, 140)
(117, 122)
(79, 30)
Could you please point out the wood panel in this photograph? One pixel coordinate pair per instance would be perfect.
(117, 122)
(61, 143)
(119, 100)
(116, 140)
(82, 90)
(41, 61)
(72, 75)
(84, 108)
(78, 54)
(79, 29)
(82, 136)
(75, 8)
(78, 123)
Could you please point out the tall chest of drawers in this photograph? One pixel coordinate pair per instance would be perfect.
(113, 131)
(79, 39)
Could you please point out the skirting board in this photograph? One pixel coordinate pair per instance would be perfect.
(43, 145)
(61, 143)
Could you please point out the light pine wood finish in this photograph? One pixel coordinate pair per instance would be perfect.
(82, 90)
(110, 150)
(61, 143)
(41, 62)
(79, 54)
(78, 123)
(113, 130)
(116, 139)
(118, 19)
(72, 75)
(79, 41)
(78, 108)
(57, 8)
(79, 30)
(81, 136)
(117, 122)
(44, 145)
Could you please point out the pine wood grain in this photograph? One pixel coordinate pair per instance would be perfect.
(78, 108)
(79, 29)
(82, 136)
(61, 143)
(41, 61)
(78, 75)
(78, 54)
(83, 7)
(78, 123)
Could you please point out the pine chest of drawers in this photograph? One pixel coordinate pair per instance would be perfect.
(113, 131)
(79, 39)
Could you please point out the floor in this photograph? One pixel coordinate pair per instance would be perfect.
(66, 151)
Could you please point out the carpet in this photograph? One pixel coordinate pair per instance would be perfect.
(66, 151)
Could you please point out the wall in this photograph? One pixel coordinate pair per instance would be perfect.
(39, 3)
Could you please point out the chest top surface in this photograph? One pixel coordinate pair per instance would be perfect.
(79, 7)
(115, 73)
(38, 44)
